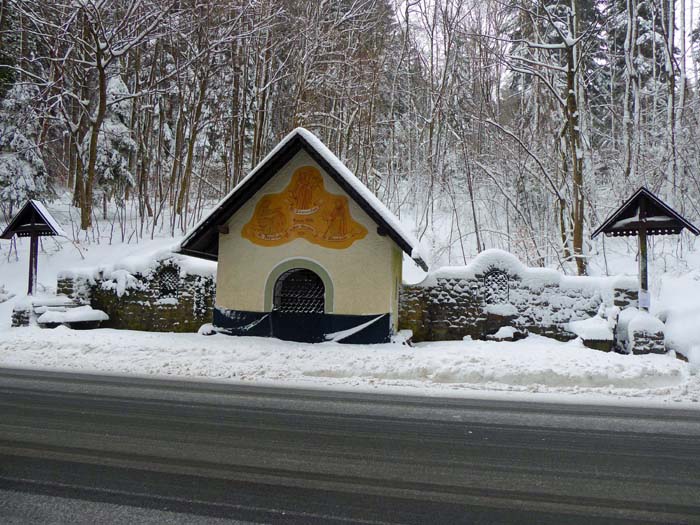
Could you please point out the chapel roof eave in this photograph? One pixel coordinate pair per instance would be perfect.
(203, 240)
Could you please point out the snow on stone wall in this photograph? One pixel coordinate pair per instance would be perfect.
(161, 292)
(497, 290)
(145, 265)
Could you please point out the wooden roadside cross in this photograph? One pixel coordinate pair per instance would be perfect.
(32, 221)
(644, 214)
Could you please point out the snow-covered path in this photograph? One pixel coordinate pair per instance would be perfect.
(536, 368)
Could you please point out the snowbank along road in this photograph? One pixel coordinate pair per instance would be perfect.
(536, 368)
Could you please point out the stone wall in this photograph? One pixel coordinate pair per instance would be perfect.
(493, 291)
(647, 343)
(161, 298)
(496, 290)
(21, 315)
(639, 332)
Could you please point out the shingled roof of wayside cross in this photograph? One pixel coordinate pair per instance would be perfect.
(644, 210)
(32, 218)
(202, 240)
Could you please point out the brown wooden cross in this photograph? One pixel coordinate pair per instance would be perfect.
(644, 214)
(32, 221)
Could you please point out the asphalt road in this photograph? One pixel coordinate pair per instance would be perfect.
(95, 449)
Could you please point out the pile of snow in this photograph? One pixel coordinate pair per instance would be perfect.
(533, 365)
(504, 332)
(644, 322)
(622, 327)
(501, 309)
(678, 305)
(73, 315)
(41, 303)
(119, 280)
(631, 321)
(593, 329)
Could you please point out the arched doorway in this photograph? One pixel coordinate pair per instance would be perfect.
(299, 291)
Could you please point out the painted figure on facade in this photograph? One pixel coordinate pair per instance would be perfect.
(307, 183)
(304, 209)
(271, 220)
(337, 223)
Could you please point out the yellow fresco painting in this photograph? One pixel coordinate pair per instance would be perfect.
(304, 209)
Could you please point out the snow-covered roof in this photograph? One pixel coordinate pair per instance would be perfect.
(53, 223)
(202, 240)
(644, 211)
(33, 218)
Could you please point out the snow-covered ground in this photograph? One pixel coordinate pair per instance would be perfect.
(536, 368)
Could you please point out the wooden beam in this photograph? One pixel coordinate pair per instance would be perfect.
(33, 263)
(643, 271)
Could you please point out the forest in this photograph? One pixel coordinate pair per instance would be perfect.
(515, 124)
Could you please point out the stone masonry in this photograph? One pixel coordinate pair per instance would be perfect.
(161, 300)
(467, 301)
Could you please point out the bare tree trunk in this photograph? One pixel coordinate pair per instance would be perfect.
(194, 131)
(95, 126)
(669, 23)
(631, 100)
(575, 142)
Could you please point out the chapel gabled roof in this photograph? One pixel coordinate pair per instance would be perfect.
(32, 218)
(644, 210)
(203, 240)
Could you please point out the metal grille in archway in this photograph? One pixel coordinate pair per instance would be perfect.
(168, 282)
(496, 287)
(299, 291)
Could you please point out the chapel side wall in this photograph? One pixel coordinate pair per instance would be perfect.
(397, 279)
(364, 273)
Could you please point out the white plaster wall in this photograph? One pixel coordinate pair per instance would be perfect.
(364, 276)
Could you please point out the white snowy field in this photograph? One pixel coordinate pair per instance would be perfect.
(536, 368)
